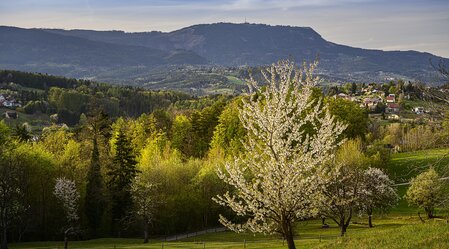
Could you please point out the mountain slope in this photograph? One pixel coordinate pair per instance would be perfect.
(38, 49)
(223, 44)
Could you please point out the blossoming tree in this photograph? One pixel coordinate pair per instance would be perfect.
(290, 136)
(66, 192)
(377, 192)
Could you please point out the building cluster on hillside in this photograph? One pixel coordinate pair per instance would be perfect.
(8, 101)
(376, 100)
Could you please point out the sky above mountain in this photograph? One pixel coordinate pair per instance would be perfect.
(420, 25)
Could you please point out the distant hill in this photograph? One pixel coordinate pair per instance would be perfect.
(127, 56)
(49, 52)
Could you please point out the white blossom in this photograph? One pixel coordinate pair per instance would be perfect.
(66, 192)
(377, 191)
(144, 197)
(291, 135)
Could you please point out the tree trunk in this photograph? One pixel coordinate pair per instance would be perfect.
(345, 224)
(66, 237)
(290, 241)
(370, 214)
(370, 223)
(5, 239)
(429, 213)
(145, 233)
(288, 234)
(66, 240)
(342, 229)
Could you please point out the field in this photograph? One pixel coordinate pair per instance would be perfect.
(36, 121)
(404, 166)
(399, 229)
(402, 232)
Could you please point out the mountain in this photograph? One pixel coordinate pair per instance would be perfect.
(129, 56)
(40, 50)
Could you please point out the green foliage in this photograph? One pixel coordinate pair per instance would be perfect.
(229, 132)
(350, 113)
(203, 126)
(181, 130)
(22, 133)
(426, 191)
(12, 187)
(4, 132)
(36, 106)
(39, 81)
(380, 154)
(39, 170)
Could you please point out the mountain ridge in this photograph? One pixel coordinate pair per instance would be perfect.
(222, 44)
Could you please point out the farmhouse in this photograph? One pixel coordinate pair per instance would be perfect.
(371, 103)
(391, 98)
(11, 115)
(418, 110)
(392, 108)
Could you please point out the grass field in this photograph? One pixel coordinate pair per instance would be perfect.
(403, 232)
(36, 121)
(399, 229)
(404, 166)
(234, 80)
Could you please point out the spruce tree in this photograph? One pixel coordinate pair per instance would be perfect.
(121, 174)
(98, 126)
(94, 203)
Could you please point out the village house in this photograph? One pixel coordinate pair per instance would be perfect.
(392, 117)
(418, 110)
(371, 103)
(343, 96)
(11, 115)
(9, 102)
(392, 108)
(391, 98)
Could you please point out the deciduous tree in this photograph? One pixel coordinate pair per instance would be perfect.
(145, 196)
(343, 181)
(426, 191)
(289, 138)
(66, 192)
(377, 192)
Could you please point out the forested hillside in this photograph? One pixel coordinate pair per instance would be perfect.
(70, 98)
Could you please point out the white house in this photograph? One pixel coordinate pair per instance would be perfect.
(418, 110)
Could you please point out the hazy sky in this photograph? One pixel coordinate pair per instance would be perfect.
(421, 25)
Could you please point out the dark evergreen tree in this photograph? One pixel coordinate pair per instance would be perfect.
(98, 126)
(94, 203)
(121, 174)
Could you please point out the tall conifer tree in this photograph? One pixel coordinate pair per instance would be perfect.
(94, 203)
(121, 174)
(95, 200)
